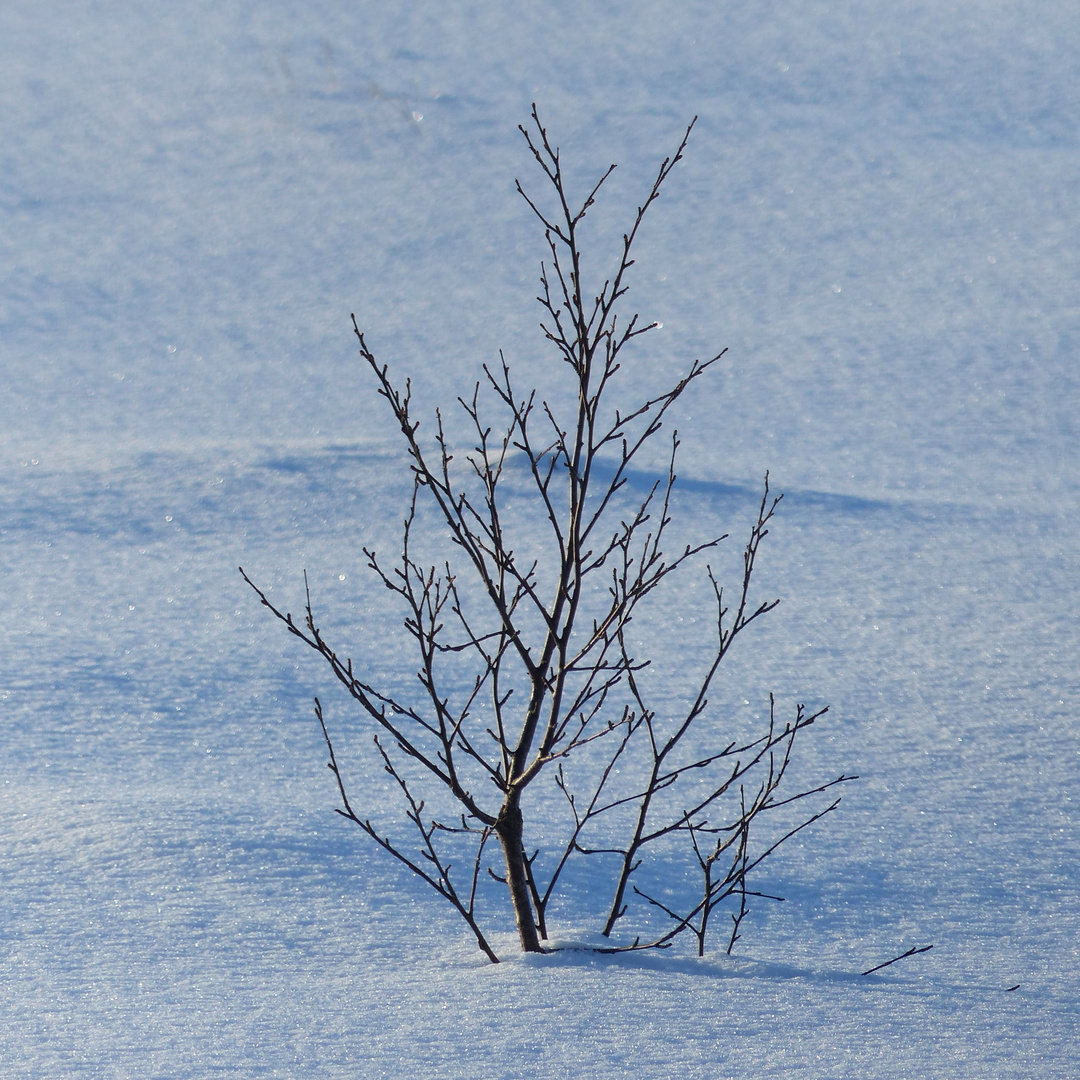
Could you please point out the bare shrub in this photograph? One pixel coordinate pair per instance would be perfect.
(527, 675)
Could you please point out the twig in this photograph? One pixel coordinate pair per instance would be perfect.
(903, 956)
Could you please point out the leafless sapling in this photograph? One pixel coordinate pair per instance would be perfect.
(521, 625)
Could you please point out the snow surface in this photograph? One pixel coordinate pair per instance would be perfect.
(879, 214)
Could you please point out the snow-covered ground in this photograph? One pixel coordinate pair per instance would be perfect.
(879, 214)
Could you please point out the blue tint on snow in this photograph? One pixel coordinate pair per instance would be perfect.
(879, 215)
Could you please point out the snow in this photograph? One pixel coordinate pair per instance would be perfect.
(878, 214)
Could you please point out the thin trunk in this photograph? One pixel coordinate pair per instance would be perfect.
(510, 830)
(629, 865)
(706, 908)
(617, 909)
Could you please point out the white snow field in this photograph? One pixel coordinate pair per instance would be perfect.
(879, 215)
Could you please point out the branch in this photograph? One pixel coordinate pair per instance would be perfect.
(903, 956)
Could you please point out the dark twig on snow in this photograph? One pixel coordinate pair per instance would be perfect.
(903, 956)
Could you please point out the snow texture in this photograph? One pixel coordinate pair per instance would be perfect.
(879, 214)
